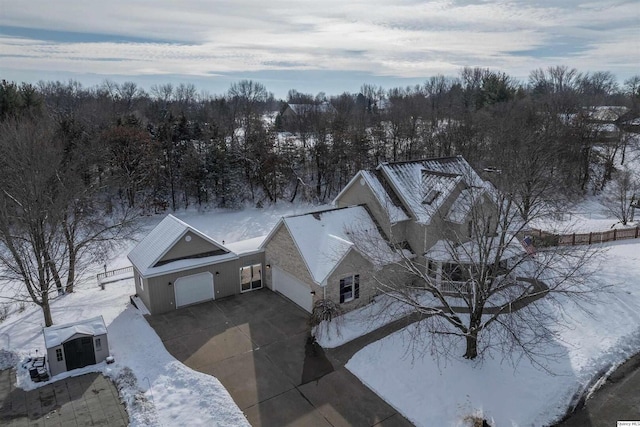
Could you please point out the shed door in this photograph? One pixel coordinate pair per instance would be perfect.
(294, 289)
(193, 289)
(79, 353)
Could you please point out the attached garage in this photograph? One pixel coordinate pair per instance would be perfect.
(292, 288)
(176, 266)
(194, 289)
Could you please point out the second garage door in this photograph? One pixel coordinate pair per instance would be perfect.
(297, 291)
(193, 289)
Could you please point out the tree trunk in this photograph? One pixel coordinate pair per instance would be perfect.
(71, 277)
(46, 309)
(472, 345)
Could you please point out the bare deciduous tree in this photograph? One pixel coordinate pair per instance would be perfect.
(52, 221)
(479, 283)
(621, 192)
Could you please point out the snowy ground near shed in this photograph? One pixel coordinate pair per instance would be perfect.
(156, 388)
(440, 392)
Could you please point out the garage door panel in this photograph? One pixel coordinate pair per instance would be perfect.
(193, 289)
(294, 289)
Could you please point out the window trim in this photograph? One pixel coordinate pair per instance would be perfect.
(354, 288)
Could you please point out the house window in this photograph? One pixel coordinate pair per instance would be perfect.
(350, 288)
(140, 283)
(251, 277)
(452, 272)
(488, 231)
(98, 344)
(59, 357)
(432, 268)
(430, 197)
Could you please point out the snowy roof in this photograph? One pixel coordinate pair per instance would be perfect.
(469, 252)
(246, 246)
(423, 185)
(324, 239)
(390, 204)
(162, 238)
(607, 113)
(186, 264)
(461, 207)
(59, 334)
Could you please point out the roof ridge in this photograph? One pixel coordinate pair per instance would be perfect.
(316, 212)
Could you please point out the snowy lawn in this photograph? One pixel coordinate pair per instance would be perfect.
(440, 392)
(590, 215)
(156, 388)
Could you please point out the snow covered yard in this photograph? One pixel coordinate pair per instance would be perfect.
(430, 391)
(156, 388)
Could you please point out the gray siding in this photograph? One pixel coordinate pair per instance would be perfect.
(226, 281)
(141, 291)
(197, 245)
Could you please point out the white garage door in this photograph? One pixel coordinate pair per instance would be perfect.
(292, 288)
(193, 289)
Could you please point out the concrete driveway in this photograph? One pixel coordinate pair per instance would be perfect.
(86, 400)
(256, 345)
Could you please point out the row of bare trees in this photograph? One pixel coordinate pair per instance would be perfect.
(71, 153)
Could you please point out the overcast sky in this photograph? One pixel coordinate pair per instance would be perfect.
(331, 45)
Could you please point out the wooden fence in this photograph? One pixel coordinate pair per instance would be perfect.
(544, 238)
(126, 272)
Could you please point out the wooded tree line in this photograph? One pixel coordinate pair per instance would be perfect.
(78, 164)
(173, 147)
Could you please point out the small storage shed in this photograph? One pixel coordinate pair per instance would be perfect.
(76, 345)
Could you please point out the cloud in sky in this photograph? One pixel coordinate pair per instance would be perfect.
(393, 40)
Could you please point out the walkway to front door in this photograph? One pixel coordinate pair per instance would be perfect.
(256, 345)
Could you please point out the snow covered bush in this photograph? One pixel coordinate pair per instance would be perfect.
(324, 312)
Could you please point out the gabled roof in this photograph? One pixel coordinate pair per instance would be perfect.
(325, 238)
(58, 334)
(160, 240)
(424, 185)
(463, 204)
(387, 200)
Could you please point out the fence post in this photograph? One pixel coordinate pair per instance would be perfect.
(590, 234)
(573, 239)
(637, 231)
(614, 234)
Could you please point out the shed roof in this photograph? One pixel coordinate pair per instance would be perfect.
(59, 334)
